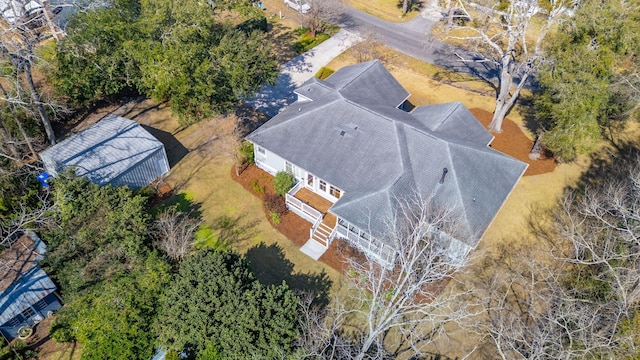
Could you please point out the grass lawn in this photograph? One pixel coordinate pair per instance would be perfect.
(204, 176)
(389, 10)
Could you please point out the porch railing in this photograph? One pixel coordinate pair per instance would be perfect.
(315, 226)
(298, 205)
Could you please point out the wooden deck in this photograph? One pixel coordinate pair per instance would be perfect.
(314, 200)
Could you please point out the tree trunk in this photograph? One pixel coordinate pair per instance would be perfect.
(14, 114)
(46, 11)
(450, 17)
(35, 98)
(405, 6)
(505, 100)
(7, 140)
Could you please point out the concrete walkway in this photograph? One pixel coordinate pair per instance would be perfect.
(271, 99)
(313, 249)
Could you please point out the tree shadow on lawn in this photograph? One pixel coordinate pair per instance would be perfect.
(182, 203)
(229, 231)
(615, 162)
(270, 266)
(413, 5)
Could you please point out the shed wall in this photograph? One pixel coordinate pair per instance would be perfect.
(144, 172)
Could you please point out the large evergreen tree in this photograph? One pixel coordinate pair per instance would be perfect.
(101, 233)
(215, 306)
(114, 320)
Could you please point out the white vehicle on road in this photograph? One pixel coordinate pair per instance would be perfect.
(300, 6)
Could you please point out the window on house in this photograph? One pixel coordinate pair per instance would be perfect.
(323, 185)
(335, 192)
(28, 313)
(14, 322)
(309, 179)
(41, 304)
(292, 169)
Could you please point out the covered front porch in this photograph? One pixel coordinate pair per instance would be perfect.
(313, 208)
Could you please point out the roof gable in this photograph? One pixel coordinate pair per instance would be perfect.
(454, 122)
(368, 82)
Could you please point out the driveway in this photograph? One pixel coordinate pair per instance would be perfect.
(270, 99)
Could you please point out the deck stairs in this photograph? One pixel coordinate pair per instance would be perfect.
(319, 241)
(324, 229)
(321, 235)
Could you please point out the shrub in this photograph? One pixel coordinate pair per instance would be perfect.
(283, 182)
(257, 187)
(245, 152)
(61, 330)
(307, 42)
(324, 73)
(275, 203)
(275, 218)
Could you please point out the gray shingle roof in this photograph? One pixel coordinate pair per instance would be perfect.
(103, 151)
(360, 142)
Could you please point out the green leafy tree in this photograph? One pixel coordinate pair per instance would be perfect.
(580, 95)
(102, 232)
(214, 305)
(178, 52)
(95, 60)
(114, 320)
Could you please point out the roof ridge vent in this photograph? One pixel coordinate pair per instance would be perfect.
(444, 173)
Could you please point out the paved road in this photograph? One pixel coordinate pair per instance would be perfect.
(412, 38)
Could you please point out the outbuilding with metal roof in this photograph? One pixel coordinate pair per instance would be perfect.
(114, 151)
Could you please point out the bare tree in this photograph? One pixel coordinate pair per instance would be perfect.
(499, 37)
(397, 310)
(578, 295)
(321, 14)
(367, 49)
(25, 217)
(174, 233)
(21, 29)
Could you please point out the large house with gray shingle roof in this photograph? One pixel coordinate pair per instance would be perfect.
(354, 140)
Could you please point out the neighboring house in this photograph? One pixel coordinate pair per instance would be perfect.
(27, 294)
(354, 140)
(14, 9)
(114, 151)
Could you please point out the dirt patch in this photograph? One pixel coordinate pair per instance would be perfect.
(48, 348)
(513, 142)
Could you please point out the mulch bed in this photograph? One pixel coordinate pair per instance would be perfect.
(513, 142)
(291, 225)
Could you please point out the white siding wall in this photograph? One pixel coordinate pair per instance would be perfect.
(268, 161)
